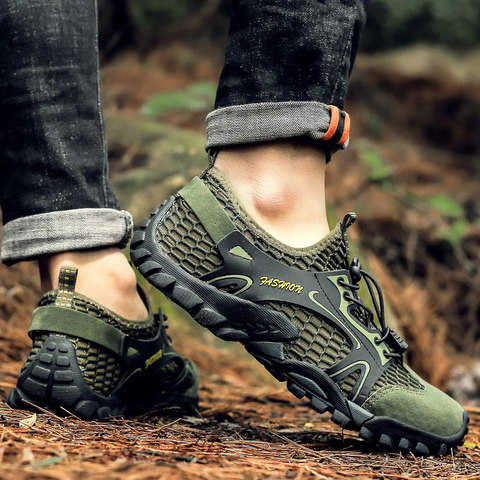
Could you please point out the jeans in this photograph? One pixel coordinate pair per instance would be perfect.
(286, 62)
(285, 75)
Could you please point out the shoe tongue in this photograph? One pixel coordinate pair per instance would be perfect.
(335, 249)
(330, 253)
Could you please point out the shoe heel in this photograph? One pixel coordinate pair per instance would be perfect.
(53, 380)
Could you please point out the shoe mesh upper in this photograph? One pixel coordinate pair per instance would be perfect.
(348, 383)
(101, 368)
(182, 236)
(326, 256)
(319, 342)
(397, 374)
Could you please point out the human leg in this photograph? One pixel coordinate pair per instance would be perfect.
(280, 184)
(54, 188)
(58, 207)
(285, 64)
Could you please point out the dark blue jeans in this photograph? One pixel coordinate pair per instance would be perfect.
(286, 73)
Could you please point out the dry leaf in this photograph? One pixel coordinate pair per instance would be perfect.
(28, 422)
(470, 444)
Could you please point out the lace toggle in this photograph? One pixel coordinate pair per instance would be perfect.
(395, 341)
(389, 336)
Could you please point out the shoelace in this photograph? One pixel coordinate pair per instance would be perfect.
(390, 337)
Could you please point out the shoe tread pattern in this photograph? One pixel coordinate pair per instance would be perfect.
(53, 380)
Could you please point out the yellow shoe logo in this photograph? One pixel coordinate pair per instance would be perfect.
(282, 284)
(154, 358)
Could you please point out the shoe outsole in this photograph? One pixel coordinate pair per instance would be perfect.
(196, 296)
(53, 381)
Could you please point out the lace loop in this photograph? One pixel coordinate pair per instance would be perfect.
(391, 338)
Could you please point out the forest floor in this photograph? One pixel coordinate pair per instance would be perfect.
(247, 427)
(414, 181)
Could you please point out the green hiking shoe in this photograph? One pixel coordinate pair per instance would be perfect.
(88, 361)
(297, 311)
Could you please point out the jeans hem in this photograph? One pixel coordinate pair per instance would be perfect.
(28, 238)
(262, 122)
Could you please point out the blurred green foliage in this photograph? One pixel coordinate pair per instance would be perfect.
(199, 96)
(447, 206)
(458, 227)
(455, 233)
(391, 23)
(454, 214)
(379, 170)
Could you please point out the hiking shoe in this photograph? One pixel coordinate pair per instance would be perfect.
(298, 312)
(91, 362)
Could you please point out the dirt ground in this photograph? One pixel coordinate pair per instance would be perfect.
(247, 426)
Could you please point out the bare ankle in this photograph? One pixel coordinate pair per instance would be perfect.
(282, 186)
(103, 275)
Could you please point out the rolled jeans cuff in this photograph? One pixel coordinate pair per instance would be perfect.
(28, 238)
(263, 122)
